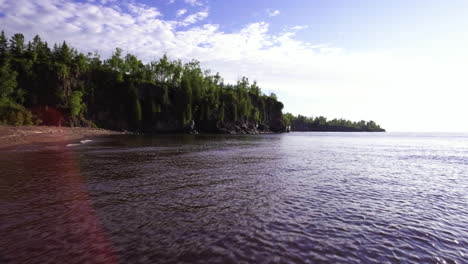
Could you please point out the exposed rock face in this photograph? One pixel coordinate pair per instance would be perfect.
(54, 117)
(79, 121)
(263, 127)
(49, 116)
(277, 126)
(241, 128)
(167, 127)
(190, 128)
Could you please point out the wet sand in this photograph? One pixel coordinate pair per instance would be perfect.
(11, 136)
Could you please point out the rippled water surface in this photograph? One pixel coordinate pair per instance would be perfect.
(289, 198)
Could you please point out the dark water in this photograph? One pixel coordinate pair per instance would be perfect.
(291, 198)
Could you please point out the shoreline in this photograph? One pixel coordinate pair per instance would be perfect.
(12, 136)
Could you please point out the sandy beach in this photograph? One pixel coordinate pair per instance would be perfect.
(20, 135)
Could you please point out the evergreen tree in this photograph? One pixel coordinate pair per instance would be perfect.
(17, 46)
(3, 49)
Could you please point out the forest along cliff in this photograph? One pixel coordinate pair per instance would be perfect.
(59, 86)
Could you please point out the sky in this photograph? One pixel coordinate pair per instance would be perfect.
(400, 63)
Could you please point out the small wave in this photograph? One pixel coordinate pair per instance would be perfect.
(84, 141)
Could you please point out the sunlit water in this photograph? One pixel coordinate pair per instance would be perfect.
(289, 198)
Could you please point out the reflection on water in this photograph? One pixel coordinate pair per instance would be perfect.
(297, 198)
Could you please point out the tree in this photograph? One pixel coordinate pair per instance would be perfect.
(7, 81)
(288, 118)
(17, 45)
(64, 54)
(184, 100)
(3, 48)
(116, 63)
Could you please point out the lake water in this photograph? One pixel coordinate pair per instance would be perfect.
(283, 198)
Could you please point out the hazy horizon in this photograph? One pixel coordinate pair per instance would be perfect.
(400, 64)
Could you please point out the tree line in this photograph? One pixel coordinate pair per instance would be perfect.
(43, 85)
(58, 85)
(320, 123)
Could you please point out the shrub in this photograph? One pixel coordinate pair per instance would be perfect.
(14, 114)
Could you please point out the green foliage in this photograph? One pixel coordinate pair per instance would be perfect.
(63, 54)
(137, 113)
(183, 100)
(7, 81)
(76, 103)
(288, 118)
(255, 115)
(14, 114)
(320, 123)
(17, 46)
(3, 48)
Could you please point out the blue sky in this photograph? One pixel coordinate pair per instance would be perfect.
(400, 63)
(358, 24)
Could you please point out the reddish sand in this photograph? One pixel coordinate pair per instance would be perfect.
(20, 135)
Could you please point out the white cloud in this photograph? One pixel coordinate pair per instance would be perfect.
(401, 93)
(104, 2)
(194, 18)
(143, 12)
(181, 12)
(300, 27)
(193, 2)
(273, 13)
